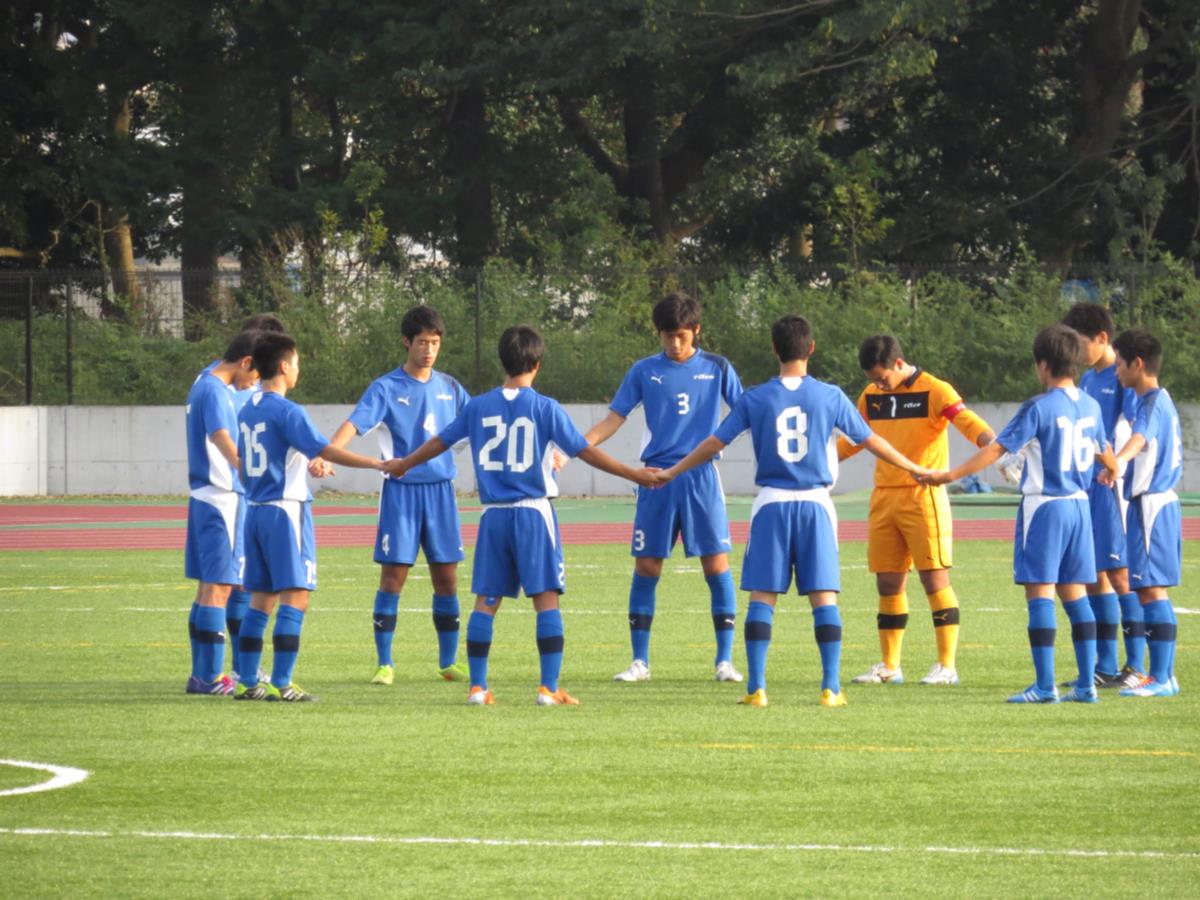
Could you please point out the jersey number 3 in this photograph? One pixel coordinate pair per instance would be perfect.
(518, 444)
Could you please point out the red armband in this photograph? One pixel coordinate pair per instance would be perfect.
(953, 410)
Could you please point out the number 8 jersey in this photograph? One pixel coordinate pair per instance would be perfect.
(1059, 431)
(513, 433)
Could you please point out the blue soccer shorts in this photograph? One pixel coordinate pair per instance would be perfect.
(213, 550)
(518, 548)
(1108, 527)
(416, 517)
(280, 549)
(1155, 540)
(792, 532)
(1053, 542)
(692, 505)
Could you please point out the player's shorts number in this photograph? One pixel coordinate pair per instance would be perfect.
(518, 441)
(639, 540)
(791, 442)
(1077, 445)
(256, 453)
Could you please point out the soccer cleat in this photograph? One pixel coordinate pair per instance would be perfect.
(1152, 688)
(293, 693)
(940, 674)
(637, 671)
(264, 690)
(480, 696)
(262, 676)
(222, 687)
(1130, 678)
(831, 699)
(1080, 695)
(1175, 684)
(758, 698)
(453, 672)
(546, 697)
(384, 675)
(881, 674)
(1034, 694)
(725, 672)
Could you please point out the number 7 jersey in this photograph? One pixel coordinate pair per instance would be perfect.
(513, 432)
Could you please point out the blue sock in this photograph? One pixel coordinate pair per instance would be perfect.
(286, 641)
(757, 629)
(1083, 636)
(195, 644)
(250, 645)
(445, 622)
(550, 646)
(1133, 626)
(1160, 638)
(1041, 641)
(1107, 610)
(724, 613)
(641, 615)
(1175, 627)
(384, 618)
(235, 611)
(210, 638)
(827, 624)
(479, 643)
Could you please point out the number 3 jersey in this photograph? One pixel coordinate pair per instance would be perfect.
(1059, 431)
(513, 433)
(276, 439)
(791, 422)
(682, 402)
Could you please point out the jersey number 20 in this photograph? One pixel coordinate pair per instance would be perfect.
(518, 444)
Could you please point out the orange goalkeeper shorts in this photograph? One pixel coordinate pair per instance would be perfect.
(909, 527)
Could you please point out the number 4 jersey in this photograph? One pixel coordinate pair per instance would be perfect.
(1059, 431)
(513, 433)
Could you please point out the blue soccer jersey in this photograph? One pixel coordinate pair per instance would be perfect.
(513, 432)
(405, 413)
(1117, 404)
(682, 402)
(1159, 466)
(1060, 431)
(791, 422)
(210, 408)
(276, 440)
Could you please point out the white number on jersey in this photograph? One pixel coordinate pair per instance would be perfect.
(518, 450)
(387, 539)
(1076, 446)
(256, 453)
(1176, 448)
(639, 540)
(684, 406)
(791, 443)
(310, 571)
(430, 424)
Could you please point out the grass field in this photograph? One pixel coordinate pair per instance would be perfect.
(659, 789)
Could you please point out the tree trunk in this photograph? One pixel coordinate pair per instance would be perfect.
(643, 155)
(118, 237)
(466, 165)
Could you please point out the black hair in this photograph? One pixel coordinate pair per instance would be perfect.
(264, 322)
(1061, 349)
(241, 346)
(675, 311)
(1089, 319)
(521, 349)
(792, 337)
(422, 318)
(1138, 343)
(270, 349)
(879, 350)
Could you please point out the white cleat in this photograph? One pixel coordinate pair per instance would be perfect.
(940, 674)
(726, 672)
(637, 671)
(880, 674)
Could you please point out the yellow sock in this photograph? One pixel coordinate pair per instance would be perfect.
(944, 605)
(892, 620)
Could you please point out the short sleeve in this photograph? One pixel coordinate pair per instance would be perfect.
(947, 402)
(1021, 428)
(850, 421)
(563, 431)
(216, 410)
(735, 423)
(303, 434)
(371, 407)
(731, 385)
(629, 394)
(456, 430)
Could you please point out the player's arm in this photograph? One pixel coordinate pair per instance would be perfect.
(320, 468)
(704, 451)
(598, 459)
(846, 448)
(427, 451)
(881, 448)
(604, 429)
(226, 447)
(1114, 462)
(350, 458)
(983, 458)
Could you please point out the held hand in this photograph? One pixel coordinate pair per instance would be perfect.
(1108, 460)
(647, 478)
(663, 476)
(321, 468)
(395, 467)
(560, 460)
(933, 478)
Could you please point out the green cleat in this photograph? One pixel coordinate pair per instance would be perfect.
(264, 690)
(293, 693)
(453, 672)
(384, 675)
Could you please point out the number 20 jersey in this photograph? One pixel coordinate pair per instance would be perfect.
(513, 432)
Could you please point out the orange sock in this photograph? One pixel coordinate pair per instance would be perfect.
(892, 620)
(944, 605)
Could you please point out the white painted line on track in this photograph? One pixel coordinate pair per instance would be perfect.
(64, 776)
(599, 843)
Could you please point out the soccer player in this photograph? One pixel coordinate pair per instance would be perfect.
(793, 526)
(680, 390)
(1112, 602)
(276, 439)
(1052, 546)
(213, 552)
(911, 524)
(1154, 524)
(406, 407)
(513, 431)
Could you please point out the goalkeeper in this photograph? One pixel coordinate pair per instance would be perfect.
(910, 525)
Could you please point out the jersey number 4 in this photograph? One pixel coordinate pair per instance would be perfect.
(256, 453)
(518, 444)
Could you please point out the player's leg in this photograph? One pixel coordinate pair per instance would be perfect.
(397, 541)
(760, 616)
(493, 577)
(814, 554)
(212, 557)
(550, 650)
(766, 573)
(289, 622)
(655, 526)
(386, 609)
(1078, 607)
(446, 619)
(1042, 630)
(1038, 547)
(1108, 534)
(704, 526)
(441, 537)
(1157, 559)
(250, 640)
(943, 605)
(239, 597)
(723, 605)
(479, 644)
(926, 523)
(889, 559)
(293, 561)
(1133, 630)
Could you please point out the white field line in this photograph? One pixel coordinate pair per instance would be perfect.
(589, 844)
(64, 776)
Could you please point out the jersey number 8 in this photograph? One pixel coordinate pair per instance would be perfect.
(791, 442)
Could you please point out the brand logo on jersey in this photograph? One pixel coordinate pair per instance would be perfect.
(898, 406)
(656, 378)
(407, 401)
(188, 409)
(703, 377)
(445, 396)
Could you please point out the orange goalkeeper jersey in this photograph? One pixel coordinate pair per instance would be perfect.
(913, 419)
